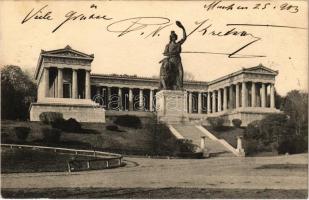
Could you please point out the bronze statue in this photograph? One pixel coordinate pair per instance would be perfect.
(171, 71)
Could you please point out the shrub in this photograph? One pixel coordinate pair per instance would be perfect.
(293, 145)
(22, 133)
(236, 122)
(51, 135)
(251, 146)
(186, 146)
(112, 127)
(216, 122)
(253, 130)
(70, 125)
(128, 121)
(50, 117)
(273, 127)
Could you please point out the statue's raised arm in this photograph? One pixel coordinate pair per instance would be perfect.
(184, 34)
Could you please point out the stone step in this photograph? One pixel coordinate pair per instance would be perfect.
(191, 132)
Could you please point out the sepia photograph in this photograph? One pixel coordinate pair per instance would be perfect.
(154, 99)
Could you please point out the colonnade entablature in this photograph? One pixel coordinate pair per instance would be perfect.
(249, 89)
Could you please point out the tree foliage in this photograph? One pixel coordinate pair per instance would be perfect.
(295, 105)
(286, 132)
(17, 93)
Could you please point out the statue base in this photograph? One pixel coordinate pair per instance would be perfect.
(171, 106)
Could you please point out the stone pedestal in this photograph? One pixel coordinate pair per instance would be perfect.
(171, 106)
(239, 149)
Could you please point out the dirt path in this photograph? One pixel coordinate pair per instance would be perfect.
(240, 173)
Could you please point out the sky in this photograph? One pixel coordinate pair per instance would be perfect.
(284, 45)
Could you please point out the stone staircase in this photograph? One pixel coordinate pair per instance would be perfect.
(214, 146)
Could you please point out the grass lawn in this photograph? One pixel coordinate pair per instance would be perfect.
(153, 193)
(93, 136)
(227, 133)
(27, 160)
(127, 141)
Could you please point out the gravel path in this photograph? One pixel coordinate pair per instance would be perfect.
(225, 172)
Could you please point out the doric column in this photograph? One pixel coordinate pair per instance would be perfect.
(244, 95)
(46, 79)
(190, 102)
(120, 98)
(74, 84)
(151, 100)
(231, 104)
(208, 103)
(253, 95)
(98, 90)
(219, 101)
(199, 100)
(87, 85)
(225, 98)
(272, 95)
(141, 103)
(214, 101)
(263, 95)
(130, 99)
(237, 95)
(60, 83)
(109, 96)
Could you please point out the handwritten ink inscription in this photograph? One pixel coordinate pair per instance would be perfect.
(42, 14)
(145, 27)
(221, 5)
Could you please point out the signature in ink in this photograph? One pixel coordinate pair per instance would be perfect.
(125, 26)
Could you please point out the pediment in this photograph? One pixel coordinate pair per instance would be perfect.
(261, 69)
(67, 52)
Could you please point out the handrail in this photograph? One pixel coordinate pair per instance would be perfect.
(74, 165)
(94, 152)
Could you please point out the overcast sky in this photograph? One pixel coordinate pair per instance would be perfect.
(285, 49)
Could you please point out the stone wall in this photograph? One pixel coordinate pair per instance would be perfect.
(82, 113)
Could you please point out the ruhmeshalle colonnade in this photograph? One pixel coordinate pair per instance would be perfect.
(65, 84)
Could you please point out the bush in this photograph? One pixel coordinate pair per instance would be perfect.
(128, 121)
(51, 135)
(293, 145)
(251, 146)
(50, 117)
(186, 146)
(273, 127)
(22, 133)
(216, 122)
(253, 130)
(70, 125)
(112, 127)
(236, 123)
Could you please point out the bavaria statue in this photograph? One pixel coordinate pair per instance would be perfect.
(171, 71)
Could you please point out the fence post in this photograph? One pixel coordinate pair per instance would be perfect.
(69, 167)
(240, 150)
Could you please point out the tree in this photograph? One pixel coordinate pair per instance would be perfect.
(295, 105)
(278, 100)
(17, 93)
